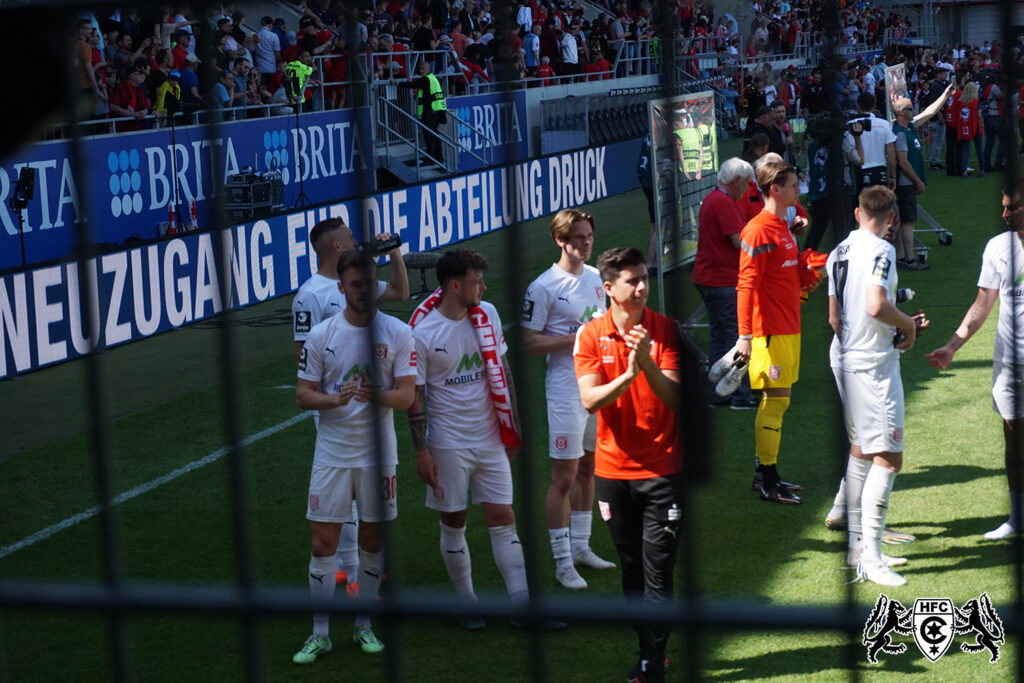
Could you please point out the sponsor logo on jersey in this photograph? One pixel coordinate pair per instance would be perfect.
(588, 313)
(468, 362)
(790, 263)
(356, 371)
(302, 358)
(564, 298)
(302, 322)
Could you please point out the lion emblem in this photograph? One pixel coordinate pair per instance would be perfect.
(978, 616)
(887, 616)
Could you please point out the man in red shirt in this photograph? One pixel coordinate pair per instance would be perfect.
(180, 52)
(768, 317)
(716, 267)
(628, 368)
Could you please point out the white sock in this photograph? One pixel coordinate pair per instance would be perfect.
(455, 554)
(579, 523)
(838, 510)
(371, 570)
(856, 471)
(508, 555)
(874, 505)
(348, 549)
(321, 585)
(560, 547)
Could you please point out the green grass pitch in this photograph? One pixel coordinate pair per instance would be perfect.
(164, 402)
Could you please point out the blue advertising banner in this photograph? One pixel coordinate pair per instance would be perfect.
(145, 290)
(497, 116)
(128, 178)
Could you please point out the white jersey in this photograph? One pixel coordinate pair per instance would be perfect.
(336, 352)
(559, 303)
(1003, 269)
(317, 300)
(861, 261)
(460, 413)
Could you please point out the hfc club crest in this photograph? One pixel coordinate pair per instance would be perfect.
(933, 626)
(933, 623)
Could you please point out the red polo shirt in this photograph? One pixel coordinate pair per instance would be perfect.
(638, 435)
(718, 261)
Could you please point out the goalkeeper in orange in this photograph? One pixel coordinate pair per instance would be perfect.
(768, 316)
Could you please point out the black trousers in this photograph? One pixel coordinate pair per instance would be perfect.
(643, 518)
(952, 152)
(834, 211)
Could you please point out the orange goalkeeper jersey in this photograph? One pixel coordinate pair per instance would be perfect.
(768, 290)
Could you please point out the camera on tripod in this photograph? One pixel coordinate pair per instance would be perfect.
(858, 124)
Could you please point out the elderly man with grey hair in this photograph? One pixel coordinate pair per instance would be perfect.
(716, 268)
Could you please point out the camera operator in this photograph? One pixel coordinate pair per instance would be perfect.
(878, 162)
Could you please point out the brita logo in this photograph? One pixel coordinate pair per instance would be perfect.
(275, 152)
(125, 182)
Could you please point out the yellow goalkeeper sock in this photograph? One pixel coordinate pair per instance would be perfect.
(768, 428)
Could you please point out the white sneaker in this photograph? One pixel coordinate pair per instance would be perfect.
(853, 558)
(1002, 531)
(731, 382)
(721, 366)
(571, 579)
(588, 558)
(880, 573)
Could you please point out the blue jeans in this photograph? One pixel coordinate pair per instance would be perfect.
(938, 127)
(720, 303)
(965, 153)
(995, 131)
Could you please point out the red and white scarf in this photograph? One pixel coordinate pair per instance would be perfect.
(489, 340)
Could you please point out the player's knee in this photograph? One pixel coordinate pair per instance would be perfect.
(455, 520)
(563, 474)
(499, 515)
(370, 537)
(585, 468)
(322, 546)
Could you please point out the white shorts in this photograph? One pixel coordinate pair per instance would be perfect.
(1008, 390)
(571, 430)
(333, 489)
(483, 471)
(873, 407)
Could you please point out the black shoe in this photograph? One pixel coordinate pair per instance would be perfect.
(547, 625)
(759, 481)
(646, 671)
(779, 493)
(937, 166)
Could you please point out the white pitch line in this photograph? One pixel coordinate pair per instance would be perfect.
(146, 488)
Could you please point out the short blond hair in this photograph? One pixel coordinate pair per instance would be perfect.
(773, 173)
(561, 224)
(877, 201)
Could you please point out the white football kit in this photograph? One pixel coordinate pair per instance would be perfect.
(1002, 268)
(555, 304)
(864, 358)
(359, 435)
(463, 434)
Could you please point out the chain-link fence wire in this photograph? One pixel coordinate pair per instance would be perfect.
(116, 599)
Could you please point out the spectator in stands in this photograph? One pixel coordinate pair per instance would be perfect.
(549, 44)
(225, 26)
(280, 29)
(596, 66)
(224, 90)
(158, 76)
(765, 122)
(570, 52)
(524, 18)
(86, 76)
(129, 99)
(124, 57)
(423, 38)
(191, 97)
(617, 37)
(459, 39)
(183, 41)
(168, 97)
(240, 73)
(544, 72)
(268, 50)
(531, 50)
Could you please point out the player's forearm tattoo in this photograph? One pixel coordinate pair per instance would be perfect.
(418, 420)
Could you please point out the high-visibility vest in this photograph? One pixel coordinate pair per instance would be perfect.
(297, 69)
(434, 95)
